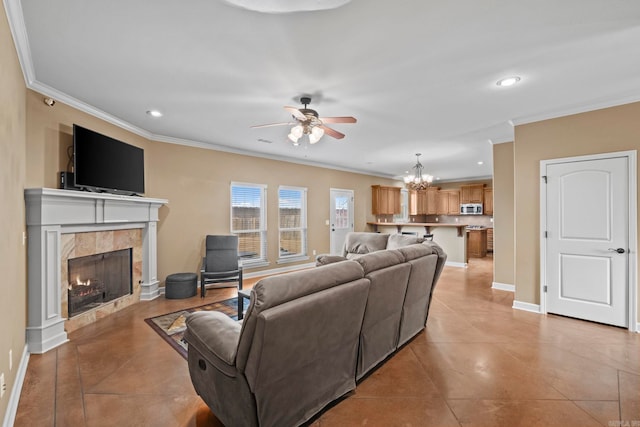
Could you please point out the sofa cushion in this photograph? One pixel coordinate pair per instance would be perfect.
(360, 243)
(400, 240)
(275, 290)
(379, 260)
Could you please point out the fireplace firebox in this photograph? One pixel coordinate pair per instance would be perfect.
(98, 279)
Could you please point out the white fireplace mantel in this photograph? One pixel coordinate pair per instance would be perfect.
(52, 212)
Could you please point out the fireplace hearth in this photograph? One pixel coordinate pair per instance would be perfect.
(98, 279)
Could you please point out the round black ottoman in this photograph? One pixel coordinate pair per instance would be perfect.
(181, 285)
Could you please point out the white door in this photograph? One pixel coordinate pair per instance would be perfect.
(587, 244)
(340, 218)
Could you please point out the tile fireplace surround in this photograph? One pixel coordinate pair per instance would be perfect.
(52, 215)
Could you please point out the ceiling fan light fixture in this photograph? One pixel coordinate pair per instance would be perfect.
(315, 135)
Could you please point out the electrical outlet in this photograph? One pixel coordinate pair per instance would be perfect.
(314, 251)
(24, 238)
(3, 386)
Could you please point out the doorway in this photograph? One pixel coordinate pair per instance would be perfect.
(340, 218)
(588, 238)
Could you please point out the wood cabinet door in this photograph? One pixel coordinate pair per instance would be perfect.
(454, 203)
(465, 194)
(472, 193)
(477, 193)
(442, 203)
(477, 243)
(488, 201)
(489, 239)
(432, 201)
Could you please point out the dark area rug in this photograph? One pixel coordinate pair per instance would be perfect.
(171, 326)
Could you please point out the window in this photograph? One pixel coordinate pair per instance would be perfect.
(292, 210)
(249, 221)
(403, 216)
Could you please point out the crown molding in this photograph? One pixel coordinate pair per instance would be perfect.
(18, 29)
(576, 109)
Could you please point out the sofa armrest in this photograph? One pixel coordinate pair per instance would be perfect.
(324, 259)
(215, 335)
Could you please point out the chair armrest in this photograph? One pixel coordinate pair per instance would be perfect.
(215, 335)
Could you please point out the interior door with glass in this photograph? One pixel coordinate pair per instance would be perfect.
(340, 218)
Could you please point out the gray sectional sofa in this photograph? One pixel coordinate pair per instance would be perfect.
(308, 336)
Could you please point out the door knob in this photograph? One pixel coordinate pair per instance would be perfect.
(619, 250)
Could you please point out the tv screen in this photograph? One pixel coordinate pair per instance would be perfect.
(105, 164)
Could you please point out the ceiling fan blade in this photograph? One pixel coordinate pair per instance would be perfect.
(332, 132)
(271, 124)
(338, 119)
(296, 113)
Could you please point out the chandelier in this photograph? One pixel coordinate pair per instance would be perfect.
(418, 181)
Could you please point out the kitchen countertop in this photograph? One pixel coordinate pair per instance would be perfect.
(427, 225)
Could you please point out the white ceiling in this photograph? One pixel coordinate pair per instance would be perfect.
(419, 75)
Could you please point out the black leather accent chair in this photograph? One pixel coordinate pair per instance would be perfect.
(221, 263)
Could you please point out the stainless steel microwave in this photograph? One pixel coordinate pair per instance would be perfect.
(471, 209)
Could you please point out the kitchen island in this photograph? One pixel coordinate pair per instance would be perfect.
(451, 237)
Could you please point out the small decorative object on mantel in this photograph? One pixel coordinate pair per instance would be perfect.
(418, 181)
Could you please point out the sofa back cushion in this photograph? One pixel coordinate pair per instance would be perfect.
(304, 351)
(275, 290)
(389, 275)
(401, 240)
(359, 243)
(423, 261)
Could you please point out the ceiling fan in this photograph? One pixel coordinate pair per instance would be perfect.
(309, 123)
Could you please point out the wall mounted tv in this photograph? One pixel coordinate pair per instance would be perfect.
(104, 164)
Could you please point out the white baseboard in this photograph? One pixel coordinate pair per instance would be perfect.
(12, 407)
(526, 306)
(638, 327)
(456, 264)
(503, 287)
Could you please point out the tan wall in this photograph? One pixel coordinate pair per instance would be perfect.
(503, 219)
(12, 221)
(196, 182)
(602, 131)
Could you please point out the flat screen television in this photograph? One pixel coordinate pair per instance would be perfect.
(104, 164)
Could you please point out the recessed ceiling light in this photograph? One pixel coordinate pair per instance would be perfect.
(481, 162)
(287, 6)
(508, 81)
(154, 113)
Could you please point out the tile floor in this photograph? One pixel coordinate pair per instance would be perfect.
(478, 363)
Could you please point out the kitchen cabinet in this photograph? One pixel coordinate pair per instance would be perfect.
(418, 200)
(432, 201)
(488, 201)
(489, 239)
(448, 202)
(477, 243)
(472, 193)
(385, 200)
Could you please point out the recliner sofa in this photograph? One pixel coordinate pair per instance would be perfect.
(308, 336)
